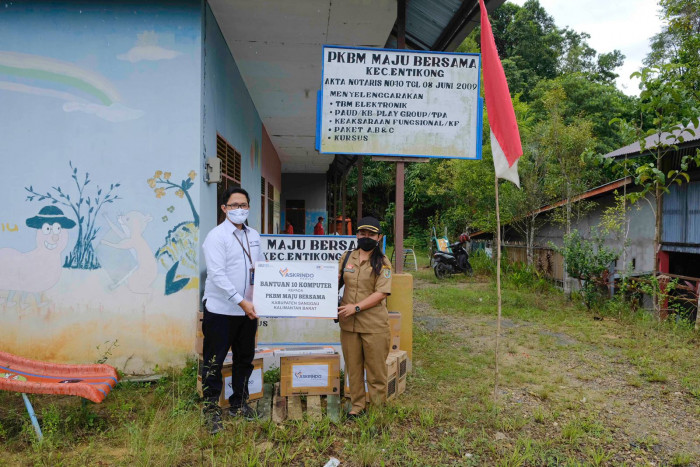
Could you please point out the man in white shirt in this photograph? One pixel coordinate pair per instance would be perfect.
(230, 251)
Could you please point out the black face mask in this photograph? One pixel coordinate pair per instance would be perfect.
(367, 243)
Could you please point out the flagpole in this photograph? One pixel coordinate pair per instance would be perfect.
(498, 287)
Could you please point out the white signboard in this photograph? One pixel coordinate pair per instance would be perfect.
(317, 248)
(296, 289)
(309, 376)
(400, 103)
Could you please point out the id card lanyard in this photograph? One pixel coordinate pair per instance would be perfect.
(247, 252)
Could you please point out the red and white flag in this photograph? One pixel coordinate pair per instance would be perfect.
(505, 137)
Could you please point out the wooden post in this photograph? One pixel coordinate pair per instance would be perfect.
(498, 288)
(400, 173)
(359, 187)
(335, 204)
(343, 189)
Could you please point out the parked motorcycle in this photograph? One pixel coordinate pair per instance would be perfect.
(446, 263)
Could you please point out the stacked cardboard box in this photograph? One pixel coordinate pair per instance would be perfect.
(392, 368)
(395, 329)
(401, 358)
(255, 383)
(310, 374)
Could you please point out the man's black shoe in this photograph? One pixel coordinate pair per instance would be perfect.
(355, 416)
(212, 418)
(243, 410)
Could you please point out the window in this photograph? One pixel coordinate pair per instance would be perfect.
(230, 169)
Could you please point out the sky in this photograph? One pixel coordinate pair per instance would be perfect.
(626, 25)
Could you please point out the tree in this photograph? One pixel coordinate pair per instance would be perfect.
(679, 43)
(564, 145)
(591, 100)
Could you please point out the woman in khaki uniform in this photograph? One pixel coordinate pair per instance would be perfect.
(363, 316)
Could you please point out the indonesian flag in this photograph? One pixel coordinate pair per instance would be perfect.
(505, 137)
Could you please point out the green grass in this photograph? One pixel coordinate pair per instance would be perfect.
(563, 397)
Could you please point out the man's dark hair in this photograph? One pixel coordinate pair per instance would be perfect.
(232, 190)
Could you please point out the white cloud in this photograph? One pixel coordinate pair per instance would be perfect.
(148, 52)
(112, 113)
(147, 48)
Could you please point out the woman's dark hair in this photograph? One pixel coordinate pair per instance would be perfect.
(376, 260)
(231, 191)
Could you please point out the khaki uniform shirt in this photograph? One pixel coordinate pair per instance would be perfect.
(360, 283)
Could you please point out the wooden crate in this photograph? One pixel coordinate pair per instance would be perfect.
(278, 408)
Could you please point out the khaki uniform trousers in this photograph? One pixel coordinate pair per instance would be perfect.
(366, 351)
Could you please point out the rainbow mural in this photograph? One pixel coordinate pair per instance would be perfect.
(81, 90)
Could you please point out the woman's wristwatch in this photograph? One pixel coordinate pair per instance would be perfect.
(357, 309)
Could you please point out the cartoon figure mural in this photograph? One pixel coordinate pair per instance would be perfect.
(83, 254)
(40, 269)
(130, 232)
(179, 253)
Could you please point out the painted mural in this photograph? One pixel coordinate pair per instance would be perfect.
(84, 206)
(179, 253)
(38, 270)
(95, 100)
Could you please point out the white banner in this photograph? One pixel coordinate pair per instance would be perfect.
(293, 332)
(399, 103)
(317, 248)
(309, 376)
(296, 289)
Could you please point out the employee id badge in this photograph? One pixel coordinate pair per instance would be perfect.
(252, 276)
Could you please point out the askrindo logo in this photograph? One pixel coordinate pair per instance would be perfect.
(301, 275)
(302, 375)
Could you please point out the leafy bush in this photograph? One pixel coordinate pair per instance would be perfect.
(588, 261)
(482, 264)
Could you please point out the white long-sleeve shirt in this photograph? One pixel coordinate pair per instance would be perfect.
(228, 267)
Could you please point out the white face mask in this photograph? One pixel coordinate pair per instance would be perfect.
(238, 216)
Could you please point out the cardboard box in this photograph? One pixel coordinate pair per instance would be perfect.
(401, 357)
(392, 379)
(310, 374)
(395, 329)
(297, 351)
(255, 383)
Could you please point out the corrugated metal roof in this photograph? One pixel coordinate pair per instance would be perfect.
(690, 138)
(592, 193)
(440, 25)
(425, 20)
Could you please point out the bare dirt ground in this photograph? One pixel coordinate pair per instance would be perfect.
(577, 381)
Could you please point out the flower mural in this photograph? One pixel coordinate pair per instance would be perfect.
(179, 253)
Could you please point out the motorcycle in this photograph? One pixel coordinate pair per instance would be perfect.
(446, 263)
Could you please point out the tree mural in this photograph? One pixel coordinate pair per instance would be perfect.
(83, 254)
(179, 253)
